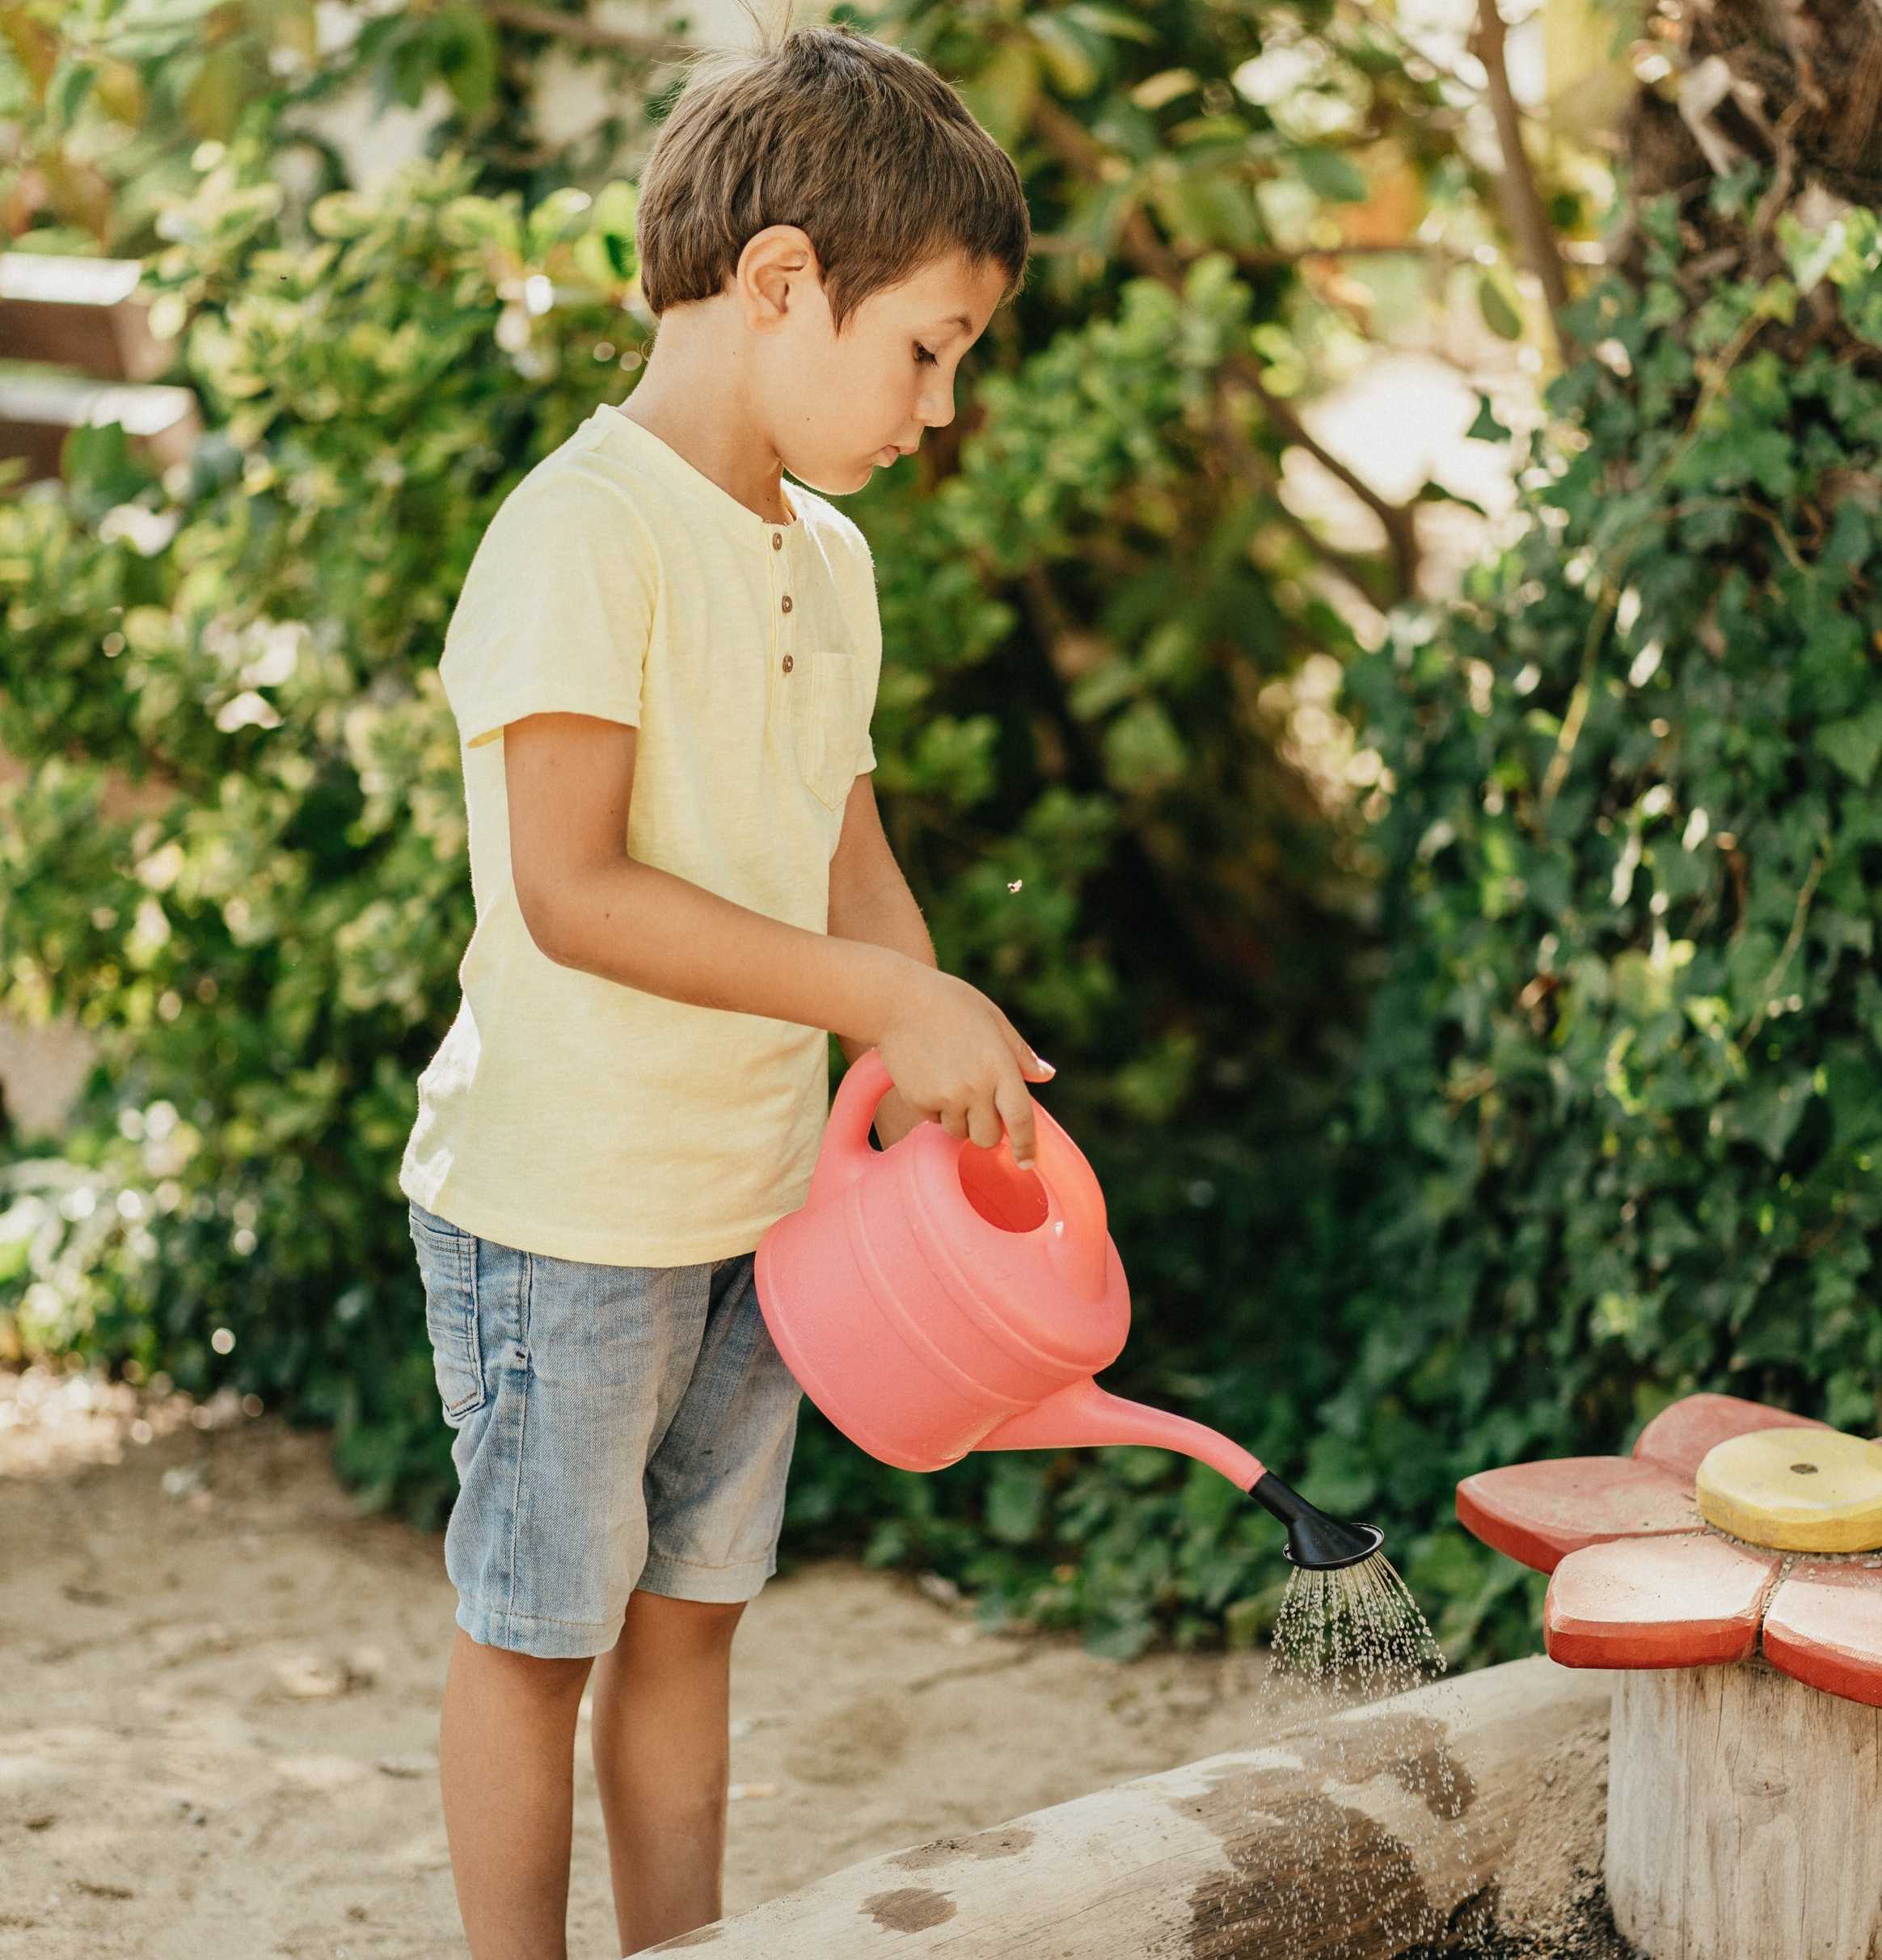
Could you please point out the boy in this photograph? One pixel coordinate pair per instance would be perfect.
(663, 665)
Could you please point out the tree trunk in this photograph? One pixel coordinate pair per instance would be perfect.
(1743, 1812)
(1349, 1837)
(1794, 85)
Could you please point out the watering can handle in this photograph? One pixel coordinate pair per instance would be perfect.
(845, 1153)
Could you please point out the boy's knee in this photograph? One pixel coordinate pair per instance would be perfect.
(547, 1673)
(686, 1624)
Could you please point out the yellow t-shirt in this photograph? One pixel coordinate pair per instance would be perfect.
(569, 1114)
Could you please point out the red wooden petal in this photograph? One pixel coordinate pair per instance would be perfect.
(1540, 1512)
(1691, 1602)
(1677, 1438)
(1824, 1627)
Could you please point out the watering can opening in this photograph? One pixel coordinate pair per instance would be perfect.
(1006, 1196)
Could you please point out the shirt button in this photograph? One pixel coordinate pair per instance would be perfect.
(787, 662)
(776, 541)
(787, 602)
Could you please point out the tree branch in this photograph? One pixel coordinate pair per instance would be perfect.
(1078, 149)
(587, 33)
(1522, 202)
(1400, 520)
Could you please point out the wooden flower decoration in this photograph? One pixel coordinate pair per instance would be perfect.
(1741, 1805)
(1733, 1525)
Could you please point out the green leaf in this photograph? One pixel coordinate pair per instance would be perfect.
(1498, 305)
(1330, 174)
(1113, 21)
(1855, 743)
(1065, 52)
(1485, 428)
(65, 93)
(1015, 1501)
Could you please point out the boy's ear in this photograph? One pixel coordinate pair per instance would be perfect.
(772, 261)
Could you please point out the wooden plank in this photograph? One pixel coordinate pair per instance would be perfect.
(1743, 1817)
(1353, 1835)
(79, 313)
(38, 411)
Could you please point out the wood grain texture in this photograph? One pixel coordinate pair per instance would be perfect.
(1744, 1817)
(1357, 1834)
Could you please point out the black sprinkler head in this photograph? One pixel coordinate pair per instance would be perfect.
(1319, 1543)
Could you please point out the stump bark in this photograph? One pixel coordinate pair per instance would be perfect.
(1744, 1817)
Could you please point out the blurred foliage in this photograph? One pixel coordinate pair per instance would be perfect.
(1104, 630)
(1614, 1136)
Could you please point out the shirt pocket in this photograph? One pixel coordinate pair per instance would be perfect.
(826, 729)
(447, 1263)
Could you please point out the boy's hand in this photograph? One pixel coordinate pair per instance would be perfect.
(895, 1117)
(954, 1056)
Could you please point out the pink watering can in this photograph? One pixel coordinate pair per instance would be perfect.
(934, 1298)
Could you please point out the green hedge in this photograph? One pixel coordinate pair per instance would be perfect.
(1614, 1136)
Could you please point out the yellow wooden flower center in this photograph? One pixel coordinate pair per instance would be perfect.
(1798, 1490)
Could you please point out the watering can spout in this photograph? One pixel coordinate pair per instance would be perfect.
(1081, 1414)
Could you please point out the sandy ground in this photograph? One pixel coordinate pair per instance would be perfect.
(221, 1693)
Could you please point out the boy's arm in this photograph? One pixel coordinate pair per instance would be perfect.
(591, 906)
(871, 901)
(588, 904)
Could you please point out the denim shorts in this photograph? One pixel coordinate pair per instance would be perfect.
(617, 1428)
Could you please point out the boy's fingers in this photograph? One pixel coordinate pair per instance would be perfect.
(984, 1122)
(1029, 1058)
(1015, 1108)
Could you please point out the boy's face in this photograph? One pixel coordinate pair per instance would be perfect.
(841, 407)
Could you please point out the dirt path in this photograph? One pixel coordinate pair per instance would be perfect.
(222, 1692)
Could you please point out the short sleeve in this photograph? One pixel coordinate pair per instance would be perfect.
(556, 610)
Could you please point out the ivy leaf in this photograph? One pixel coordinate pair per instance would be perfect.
(1487, 428)
(1016, 1502)
(1855, 743)
(1768, 1116)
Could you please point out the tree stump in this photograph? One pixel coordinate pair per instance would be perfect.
(1744, 1816)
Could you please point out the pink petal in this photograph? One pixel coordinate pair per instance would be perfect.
(1540, 1512)
(1677, 1438)
(1825, 1628)
(1690, 1602)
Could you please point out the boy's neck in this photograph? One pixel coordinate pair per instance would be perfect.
(699, 420)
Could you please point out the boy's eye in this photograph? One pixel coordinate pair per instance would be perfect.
(922, 354)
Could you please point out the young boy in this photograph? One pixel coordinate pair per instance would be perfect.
(663, 665)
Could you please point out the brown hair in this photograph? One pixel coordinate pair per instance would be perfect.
(866, 148)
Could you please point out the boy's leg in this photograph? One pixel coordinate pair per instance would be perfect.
(658, 1731)
(506, 1756)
